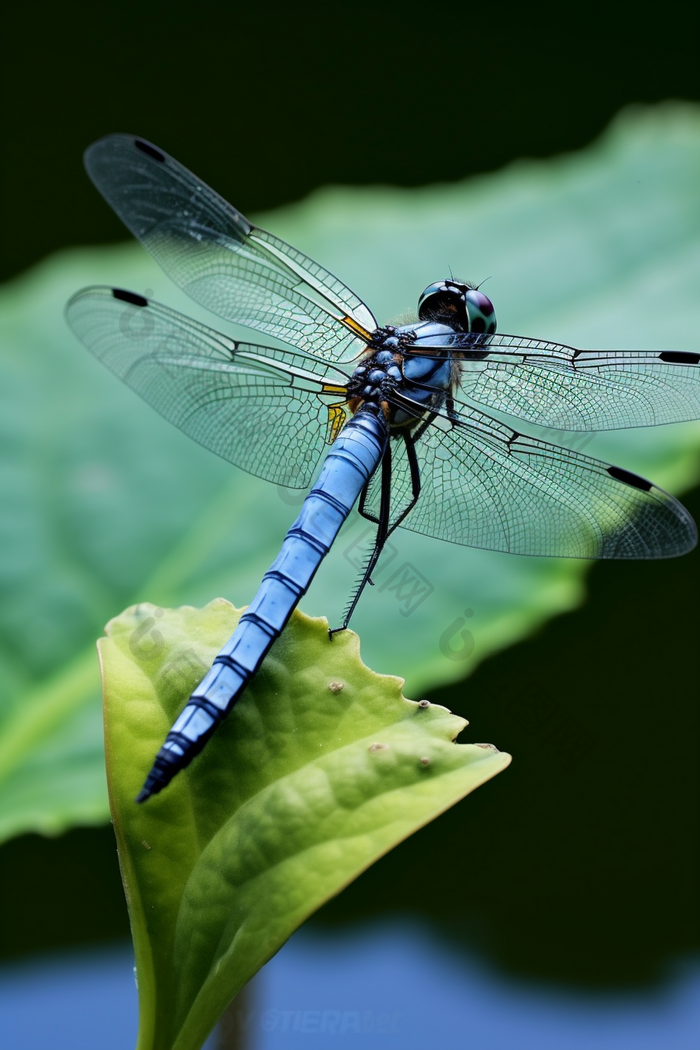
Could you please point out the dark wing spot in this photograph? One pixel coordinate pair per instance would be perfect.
(149, 150)
(628, 478)
(679, 357)
(129, 297)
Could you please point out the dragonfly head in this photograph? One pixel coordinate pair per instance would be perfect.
(458, 305)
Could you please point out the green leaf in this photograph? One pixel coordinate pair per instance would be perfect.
(105, 505)
(322, 768)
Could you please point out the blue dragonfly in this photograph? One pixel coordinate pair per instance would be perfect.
(403, 414)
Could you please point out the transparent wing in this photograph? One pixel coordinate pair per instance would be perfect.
(271, 412)
(218, 257)
(485, 485)
(557, 386)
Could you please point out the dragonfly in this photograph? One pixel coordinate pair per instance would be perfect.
(405, 420)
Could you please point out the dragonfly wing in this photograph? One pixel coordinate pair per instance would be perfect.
(558, 386)
(485, 485)
(223, 261)
(258, 407)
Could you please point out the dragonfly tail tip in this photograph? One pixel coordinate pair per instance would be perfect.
(151, 787)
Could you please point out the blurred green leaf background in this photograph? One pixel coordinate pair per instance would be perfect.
(104, 504)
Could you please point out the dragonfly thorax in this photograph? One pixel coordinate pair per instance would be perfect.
(377, 374)
(393, 367)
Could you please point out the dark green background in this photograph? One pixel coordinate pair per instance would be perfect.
(269, 103)
(596, 870)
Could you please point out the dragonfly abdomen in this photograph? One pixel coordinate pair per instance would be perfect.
(347, 469)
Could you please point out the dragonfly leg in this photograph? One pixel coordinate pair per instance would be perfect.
(369, 516)
(384, 528)
(362, 507)
(410, 443)
(380, 539)
(418, 434)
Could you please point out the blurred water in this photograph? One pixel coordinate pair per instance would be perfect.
(385, 986)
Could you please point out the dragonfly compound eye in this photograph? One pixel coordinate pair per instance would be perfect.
(443, 302)
(480, 312)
